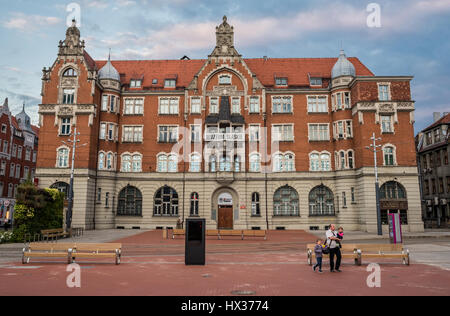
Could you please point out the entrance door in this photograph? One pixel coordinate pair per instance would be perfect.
(225, 217)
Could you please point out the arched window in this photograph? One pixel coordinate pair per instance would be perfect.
(63, 157)
(237, 163)
(194, 204)
(392, 190)
(350, 159)
(195, 165)
(286, 202)
(289, 162)
(315, 162)
(278, 163)
(321, 202)
(70, 73)
(173, 163)
(109, 161)
(389, 156)
(137, 163)
(255, 163)
(225, 163)
(162, 163)
(225, 79)
(166, 202)
(126, 163)
(101, 161)
(212, 163)
(256, 210)
(61, 187)
(130, 202)
(325, 162)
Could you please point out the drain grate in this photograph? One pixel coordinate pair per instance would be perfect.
(243, 293)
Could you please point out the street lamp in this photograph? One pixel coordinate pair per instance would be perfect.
(72, 172)
(374, 148)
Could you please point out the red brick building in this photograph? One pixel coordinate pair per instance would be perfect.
(245, 143)
(18, 155)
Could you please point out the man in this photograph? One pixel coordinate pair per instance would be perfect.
(332, 242)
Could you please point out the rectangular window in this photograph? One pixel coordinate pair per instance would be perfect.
(19, 152)
(170, 83)
(14, 150)
(68, 96)
(3, 168)
(34, 156)
(253, 133)
(441, 185)
(28, 154)
(105, 103)
(236, 105)
(433, 185)
(65, 127)
(196, 105)
(283, 133)
(281, 81)
(317, 104)
(196, 133)
(319, 132)
(213, 105)
(5, 146)
(353, 195)
(347, 101)
(112, 104)
(99, 195)
(168, 106)
(254, 104)
(282, 104)
(427, 186)
(17, 171)
(386, 123)
(316, 81)
(349, 125)
(134, 106)
(168, 134)
(4, 128)
(103, 131)
(107, 199)
(135, 83)
(225, 79)
(26, 170)
(12, 170)
(383, 92)
(344, 199)
(132, 134)
(111, 132)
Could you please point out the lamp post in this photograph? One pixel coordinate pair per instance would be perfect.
(72, 172)
(374, 148)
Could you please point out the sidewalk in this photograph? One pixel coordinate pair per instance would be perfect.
(360, 236)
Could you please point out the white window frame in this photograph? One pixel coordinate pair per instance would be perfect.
(194, 110)
(133, 134)
(316, 109)
(250, 103)
(58, 156)
(282, 97)
(210, 105)
(319, 139)
(389, 95)
(169, 105)
(283, 136)
(394, 153)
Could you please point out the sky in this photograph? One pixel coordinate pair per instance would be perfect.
(412, 38)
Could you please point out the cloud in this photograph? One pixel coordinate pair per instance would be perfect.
(29, 23)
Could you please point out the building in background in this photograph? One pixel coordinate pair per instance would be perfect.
(18, 156)
(433, 147)
(245, 143)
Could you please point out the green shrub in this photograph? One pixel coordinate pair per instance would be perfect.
(36, 209)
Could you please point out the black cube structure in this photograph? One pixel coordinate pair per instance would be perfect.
(195, 242)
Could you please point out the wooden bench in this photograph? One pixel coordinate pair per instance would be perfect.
(348, 251)
(254, 234)
(71, 251)
(84, 250)
(178, 232)
(395, 251)
(46, 250)
(54, 233)
(230, 233)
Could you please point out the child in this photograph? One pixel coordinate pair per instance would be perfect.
(340, 235)
(318, 252)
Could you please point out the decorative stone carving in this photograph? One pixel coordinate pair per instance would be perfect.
(225, 40)
(225, 91)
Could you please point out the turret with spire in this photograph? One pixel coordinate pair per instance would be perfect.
(108, 71)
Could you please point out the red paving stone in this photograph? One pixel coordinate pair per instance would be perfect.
(153, 266)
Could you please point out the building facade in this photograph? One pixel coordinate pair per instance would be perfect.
(433, 146)
(18, 155)
(245, 143)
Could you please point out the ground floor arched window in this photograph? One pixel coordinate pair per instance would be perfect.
(130, 202)
(166, 202)
(61, 187)
(286, 202)
(321, 202)
(393, 199)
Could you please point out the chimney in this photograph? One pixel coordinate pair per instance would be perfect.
(436, 116)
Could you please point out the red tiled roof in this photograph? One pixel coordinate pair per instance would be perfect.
(185, 70)
(444, 120)
(89, 60)
(296, 69)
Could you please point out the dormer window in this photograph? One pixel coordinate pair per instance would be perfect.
(170, 83)
(225, 79)
(155, 81)
(70, 73)
(316, 82)
(135, 83)
(281, 82)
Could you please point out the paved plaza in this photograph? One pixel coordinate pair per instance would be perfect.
(152, 265)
